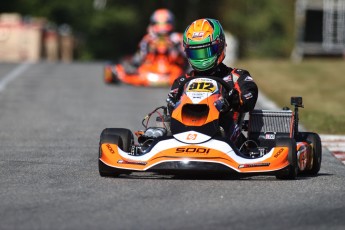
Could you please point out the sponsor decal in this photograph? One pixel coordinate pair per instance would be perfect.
(192, 136)
(203, 151)
(248, 96)
(270, 136)
(248, 78)
(227, 78)
(131, 162)
(278, 153)
(110, 149)
(253, 165)
(199, 34)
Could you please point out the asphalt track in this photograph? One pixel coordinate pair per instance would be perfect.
(51, 116)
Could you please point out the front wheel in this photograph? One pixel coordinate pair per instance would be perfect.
(110, 77)
(105, 170)
(289, 173)
(125, 135)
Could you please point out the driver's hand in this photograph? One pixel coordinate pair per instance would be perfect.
(233, 98)
(172, 95)
(222, 105)
(171, 100)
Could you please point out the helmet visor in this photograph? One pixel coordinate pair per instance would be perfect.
(198, 52)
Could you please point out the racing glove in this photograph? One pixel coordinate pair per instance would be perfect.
(171, 100)
(233, 99)
(222, 105)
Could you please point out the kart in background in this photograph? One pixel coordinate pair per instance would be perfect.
(157, 70)
(191, 140)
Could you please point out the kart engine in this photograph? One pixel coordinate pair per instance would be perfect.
(146, 137)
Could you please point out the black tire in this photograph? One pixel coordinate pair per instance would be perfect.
(126, 136)
(105, 170)
(290, 172)
(116, 79)
(109, 76)
(315, 140)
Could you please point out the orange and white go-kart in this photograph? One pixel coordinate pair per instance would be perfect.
(192, 140)
(157, 70)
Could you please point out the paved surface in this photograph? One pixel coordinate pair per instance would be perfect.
(51, 116)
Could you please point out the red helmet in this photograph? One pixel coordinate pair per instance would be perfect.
(162, 22)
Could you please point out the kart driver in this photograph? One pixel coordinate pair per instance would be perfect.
(161, 38)
(204, 45)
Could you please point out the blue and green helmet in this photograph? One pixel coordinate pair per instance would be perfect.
(204, 44)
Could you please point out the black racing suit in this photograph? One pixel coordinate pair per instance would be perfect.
(241, 101)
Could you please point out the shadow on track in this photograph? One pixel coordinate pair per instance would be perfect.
(208, 176)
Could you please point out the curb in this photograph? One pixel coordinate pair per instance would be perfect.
(335, 144)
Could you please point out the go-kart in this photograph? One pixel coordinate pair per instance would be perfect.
(191, 139)
(156, 70)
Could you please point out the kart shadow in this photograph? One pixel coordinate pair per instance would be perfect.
(211, 176)
(303, 176)
(159, 176)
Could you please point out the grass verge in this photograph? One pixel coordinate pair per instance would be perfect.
(320, 82)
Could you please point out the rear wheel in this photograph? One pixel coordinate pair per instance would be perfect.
(315, 142)
(289, 173)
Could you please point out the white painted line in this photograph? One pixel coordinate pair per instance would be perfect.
(13, 75)
(334, 143)
(325, 137)
(336, 148)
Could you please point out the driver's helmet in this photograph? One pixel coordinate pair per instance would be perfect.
(204, 44)
(162, 22)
